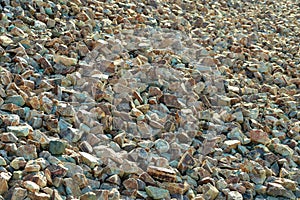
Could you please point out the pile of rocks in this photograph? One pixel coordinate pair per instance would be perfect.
(149, 100)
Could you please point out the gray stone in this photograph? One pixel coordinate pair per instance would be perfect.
(157, 193)
(57, 147)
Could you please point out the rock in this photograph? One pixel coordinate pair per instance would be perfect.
(19, 193)
(31, 186)
(72, 188)
(88, 196)
(18, 163)
(71, 169)
(289, 184)
(162, 174)
(234, 195)
(80, 179)
(283, 150)
(115, 179)
(9, 137)
(162, 146)
(57, 147)
(256, 172)
(2, 161)
(130, 184)
(210, 192)
(86, 147)
(5, 41)
(175, 188)
(186, 161)
(259, 136)
(157, 193)
(60, 59)
(231, 144)
(27, 151)
(11, 120)
(15, 99)
(20, 131)
(89, 159)
(38, 25)
(39, 196)
(4, 178)
(32, 167)
(170, 101)
(277, 190)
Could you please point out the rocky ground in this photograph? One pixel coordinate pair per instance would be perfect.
(149, 99)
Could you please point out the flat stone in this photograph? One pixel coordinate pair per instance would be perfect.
(60, 59)
(20, 131)
(175, 188)
(157, 193)
(15, 99)
(161, 173)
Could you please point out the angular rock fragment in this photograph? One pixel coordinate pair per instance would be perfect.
(162, 174)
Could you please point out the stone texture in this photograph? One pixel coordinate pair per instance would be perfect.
(157, 193)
